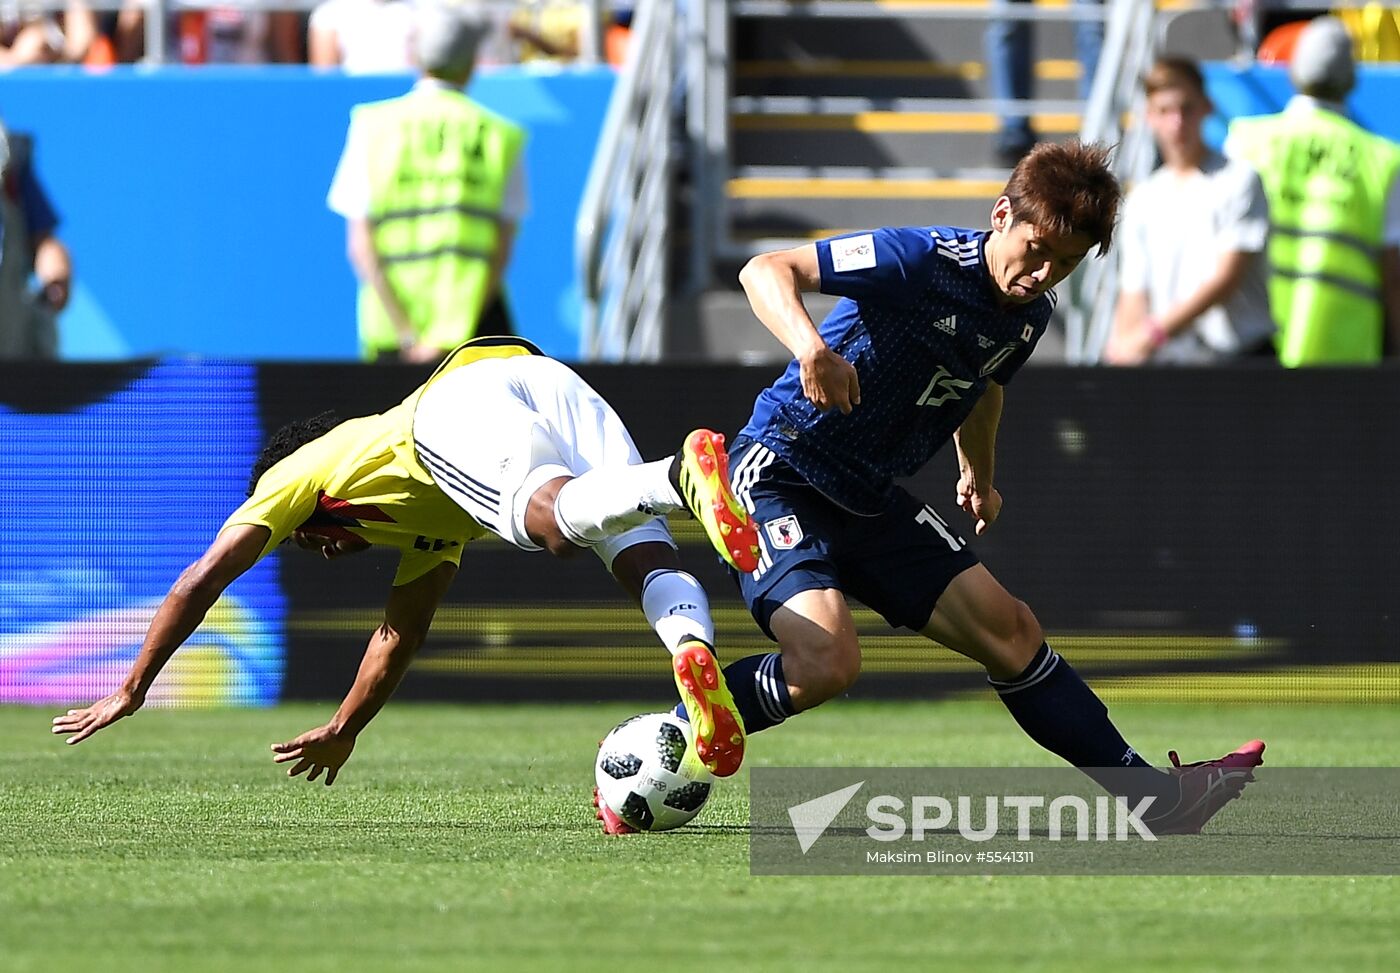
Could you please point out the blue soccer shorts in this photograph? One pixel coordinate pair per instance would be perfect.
(897, 563)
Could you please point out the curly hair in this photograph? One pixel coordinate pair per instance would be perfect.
(287, 440)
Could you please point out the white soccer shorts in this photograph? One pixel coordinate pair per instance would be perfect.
(493, 432)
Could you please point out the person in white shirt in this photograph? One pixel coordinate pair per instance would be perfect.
(362, 36)
(1194, 272)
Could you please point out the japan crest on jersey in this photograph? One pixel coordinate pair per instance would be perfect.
(784, 533)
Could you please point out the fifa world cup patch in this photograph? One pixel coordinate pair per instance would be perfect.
(784, 533)
(853, 253)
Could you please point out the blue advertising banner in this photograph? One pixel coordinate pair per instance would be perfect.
(194, 202)
(1260, 90)
(120, 482)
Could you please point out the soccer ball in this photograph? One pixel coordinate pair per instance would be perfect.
(640, 777)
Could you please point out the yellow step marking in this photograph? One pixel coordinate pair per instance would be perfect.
(914, 122)
(865, 188)
(1047, 70)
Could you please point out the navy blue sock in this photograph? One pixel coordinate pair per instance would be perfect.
(759, 690)
(1062, 714)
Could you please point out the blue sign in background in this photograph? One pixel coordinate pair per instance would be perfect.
(1259, 90)
(116, 492)
(194, 199)
(194, 202)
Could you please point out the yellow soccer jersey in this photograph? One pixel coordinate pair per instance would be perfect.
(353, 481)
(363, 478)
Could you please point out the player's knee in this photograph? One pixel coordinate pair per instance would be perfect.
(542, 527)
(822, 666)
(1021, 635)
(844, 670)
(1007, 638)
(558, 545)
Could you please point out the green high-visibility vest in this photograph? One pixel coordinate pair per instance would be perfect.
(1326, 179)
(438, 168)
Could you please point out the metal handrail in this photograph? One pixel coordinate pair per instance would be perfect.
(716, 164)
(1127, 52)
(623, 227)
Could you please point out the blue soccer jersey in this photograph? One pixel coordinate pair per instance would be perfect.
(922, 323)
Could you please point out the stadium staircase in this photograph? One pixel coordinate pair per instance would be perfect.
(805, 118)
(852, 113)
(874, 115)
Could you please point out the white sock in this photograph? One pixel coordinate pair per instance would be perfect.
(608, 500)
(676, 606)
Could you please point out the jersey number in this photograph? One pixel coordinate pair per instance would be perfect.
(428, 543)
(929, 516)
(942, 387)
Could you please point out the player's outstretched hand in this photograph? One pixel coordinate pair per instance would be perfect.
(83, 723)
(829, 381)
(321, 749)
(985, 508)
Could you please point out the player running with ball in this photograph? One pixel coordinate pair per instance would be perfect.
(500, 439)
(935, 321)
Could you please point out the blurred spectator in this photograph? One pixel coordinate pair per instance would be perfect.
(1010, 67)
(28, 249)
(1194, 276)
(548, 29)
(215, 35)
(376, 36)
(286, 33)
(31, 35)
(362, 36)
(1334, 203)
(554, 29)
(432, 187)
(617, 33)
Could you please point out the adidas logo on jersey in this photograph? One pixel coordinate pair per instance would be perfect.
(948, 325)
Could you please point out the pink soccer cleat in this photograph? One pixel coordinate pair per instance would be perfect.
(612, 824)
(1207, 786)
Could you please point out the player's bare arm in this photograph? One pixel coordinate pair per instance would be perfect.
(774, 283)
(976, 442)
(407, 617)
(199, 586)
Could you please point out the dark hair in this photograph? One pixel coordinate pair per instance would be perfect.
(1173, 72)
(1065, 188)
(287, 440)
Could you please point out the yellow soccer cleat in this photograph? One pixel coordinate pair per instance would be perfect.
(703, 483)
(717, 729)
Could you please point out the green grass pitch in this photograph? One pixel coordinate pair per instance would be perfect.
(460, 838)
